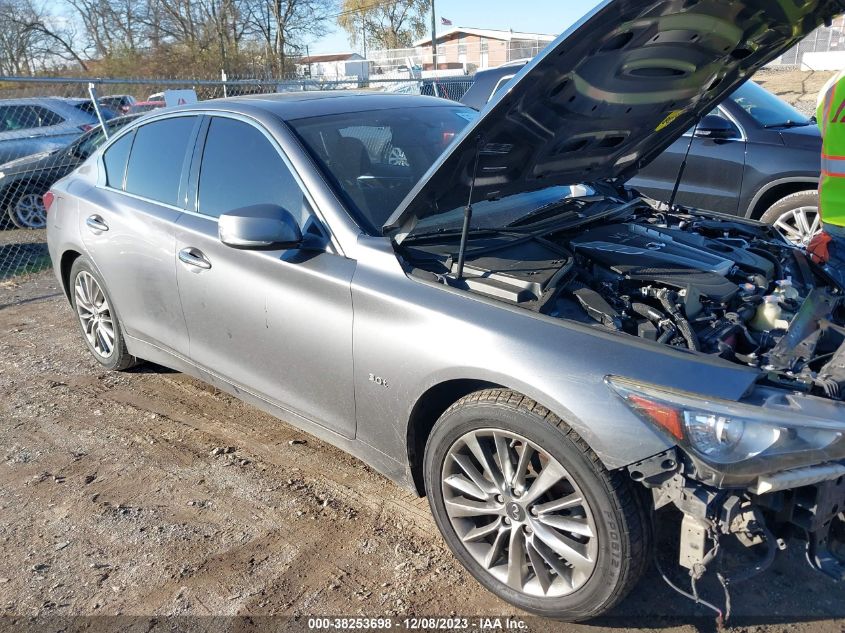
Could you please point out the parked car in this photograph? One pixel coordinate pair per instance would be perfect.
(146, 106)
(446, 87)
(30, 126)
(754, 155)
(24, 181)
(499, 322)
(122, 104)
(487, 82)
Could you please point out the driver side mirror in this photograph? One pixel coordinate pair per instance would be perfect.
(262, 226)
(713, 126)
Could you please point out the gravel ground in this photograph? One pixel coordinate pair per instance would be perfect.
(148, 493)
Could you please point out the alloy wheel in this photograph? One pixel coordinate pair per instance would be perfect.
(94, 314)
(799, 225)
(518, 513)
(29, 212)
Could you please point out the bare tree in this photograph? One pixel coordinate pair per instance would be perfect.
(32, 38)
(386, 23)
(286, 25)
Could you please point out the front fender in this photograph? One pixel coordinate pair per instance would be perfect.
(415, 334)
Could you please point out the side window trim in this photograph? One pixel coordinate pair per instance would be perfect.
(193, 185)
(503, 80)
(126, 166)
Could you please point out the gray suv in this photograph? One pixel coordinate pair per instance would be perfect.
(496, 321)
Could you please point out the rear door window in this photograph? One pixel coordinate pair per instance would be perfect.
(26, 117)
(115, 158)
(242, 168)
(45, 117)
(157, 158)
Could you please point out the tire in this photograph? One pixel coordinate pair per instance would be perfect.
(601, 514)
(796, 216)
(97, 317)
(27, 211)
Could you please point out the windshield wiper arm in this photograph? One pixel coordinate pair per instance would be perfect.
(787, 124)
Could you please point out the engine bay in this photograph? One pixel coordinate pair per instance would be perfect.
(692, 280)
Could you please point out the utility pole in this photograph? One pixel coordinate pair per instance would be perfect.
(433, 37)
(308, 57)
(364, 33)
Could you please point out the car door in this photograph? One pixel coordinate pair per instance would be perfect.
(277, 323)
(128, 226)
(712, 179)
(19, 132)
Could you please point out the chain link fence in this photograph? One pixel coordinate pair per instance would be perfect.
(49, 126)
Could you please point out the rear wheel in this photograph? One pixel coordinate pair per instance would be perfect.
(27, 211)
(97, 319)
(530, 511)
(796, 216)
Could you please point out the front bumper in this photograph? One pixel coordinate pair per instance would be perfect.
(806, 503)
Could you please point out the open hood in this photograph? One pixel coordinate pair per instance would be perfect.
(609, 95)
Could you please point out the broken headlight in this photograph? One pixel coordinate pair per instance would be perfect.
(736, 436)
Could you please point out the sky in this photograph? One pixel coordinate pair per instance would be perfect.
(533, 16)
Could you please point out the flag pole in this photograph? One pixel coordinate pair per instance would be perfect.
(433, 38)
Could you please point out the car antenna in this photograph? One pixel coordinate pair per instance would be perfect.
(682, 167)
(459, 273)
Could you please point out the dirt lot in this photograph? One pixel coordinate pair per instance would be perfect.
(147, 494)
(800, 88)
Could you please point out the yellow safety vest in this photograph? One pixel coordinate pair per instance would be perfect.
(830, 116)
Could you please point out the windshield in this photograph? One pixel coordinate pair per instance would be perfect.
(765, 108)
(375, 158)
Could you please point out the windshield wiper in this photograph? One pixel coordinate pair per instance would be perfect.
(456, 232)
(533, 216)
(787, 124)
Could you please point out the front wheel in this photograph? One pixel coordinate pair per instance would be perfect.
(530, 511)
(796, 216)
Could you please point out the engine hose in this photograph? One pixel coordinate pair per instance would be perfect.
(768, 256)
(667, 335)
(668, 299)
(648, 312)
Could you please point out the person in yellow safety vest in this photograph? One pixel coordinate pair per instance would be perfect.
(828, 247)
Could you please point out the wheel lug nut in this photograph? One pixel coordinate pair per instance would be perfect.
(533, 511)
(507, 521)
(517, 493)
(527, 529)
(500, 499)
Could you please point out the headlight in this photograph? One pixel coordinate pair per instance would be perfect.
(2, 175)
(738, 436)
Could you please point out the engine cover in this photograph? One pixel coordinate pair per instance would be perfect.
(641, 253)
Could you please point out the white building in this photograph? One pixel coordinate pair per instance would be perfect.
(334, 66)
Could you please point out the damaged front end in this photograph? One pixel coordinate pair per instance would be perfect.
(756, 472)
(747, 477)
(805, 505)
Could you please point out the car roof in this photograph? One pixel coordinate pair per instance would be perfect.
(42, 100)
(297, 105)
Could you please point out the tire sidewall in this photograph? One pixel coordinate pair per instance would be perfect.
(116, 358)
(795, 200)
(602, 587)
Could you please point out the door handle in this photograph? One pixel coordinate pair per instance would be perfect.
(96, 223)
(194, 257)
